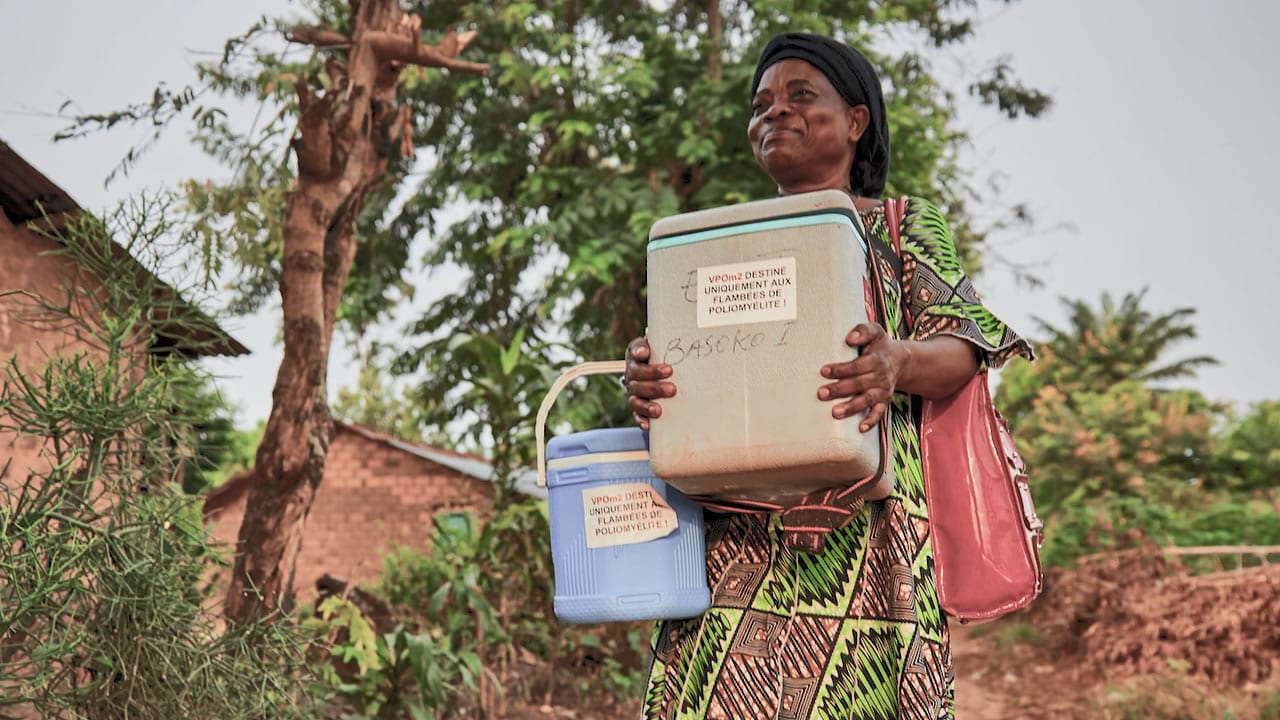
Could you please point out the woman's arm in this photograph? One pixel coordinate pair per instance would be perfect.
(950, 331)
(936, 368)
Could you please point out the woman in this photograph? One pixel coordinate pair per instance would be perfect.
(842, 623)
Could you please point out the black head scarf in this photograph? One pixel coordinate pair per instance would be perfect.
(851, 74)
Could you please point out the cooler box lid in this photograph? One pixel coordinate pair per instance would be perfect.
(593, 442)
(773, 213)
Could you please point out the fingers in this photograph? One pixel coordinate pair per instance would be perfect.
(645, 373)
(868, 380)
(865, 394)
(864, 334)
(648, 382)
(872, 369)
(862, 337)
(637, 389)
(857, 404)
(876, 415)
(643, 408)
(645, 383)
(639, 368)
(848, 387)
(638, 350)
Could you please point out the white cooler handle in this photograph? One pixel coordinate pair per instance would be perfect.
(603, 367)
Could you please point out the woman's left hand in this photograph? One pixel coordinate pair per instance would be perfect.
(869, 379)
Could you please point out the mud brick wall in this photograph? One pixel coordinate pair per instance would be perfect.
(26, 265)
(374, 498)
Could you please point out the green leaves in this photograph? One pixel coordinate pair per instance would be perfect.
(479, 595)
(1118, 458)
(491, 384)
(998, 87)
(1113, 343)
(595, 119)
(360, 645)
(421, 672)
(103, 558)
(1248, 457)
(600, 118)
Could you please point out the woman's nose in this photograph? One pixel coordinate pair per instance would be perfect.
(777, 110)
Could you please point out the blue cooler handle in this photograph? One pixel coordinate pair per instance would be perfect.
(603, 367)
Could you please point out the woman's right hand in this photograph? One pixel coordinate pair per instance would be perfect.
(645, 383)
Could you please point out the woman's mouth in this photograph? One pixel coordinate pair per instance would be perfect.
(776, 134)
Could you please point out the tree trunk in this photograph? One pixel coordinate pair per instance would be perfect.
(343, 145)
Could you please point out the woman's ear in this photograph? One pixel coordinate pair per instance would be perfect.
(859, 119)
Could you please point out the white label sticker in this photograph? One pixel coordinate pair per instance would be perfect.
(626, 514)
(750, 292)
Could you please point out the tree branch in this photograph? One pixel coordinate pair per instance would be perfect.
(393, 46)
(396, 47)
(312, 144)
(318, 36)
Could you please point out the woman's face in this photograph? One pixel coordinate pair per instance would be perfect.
(802, 132)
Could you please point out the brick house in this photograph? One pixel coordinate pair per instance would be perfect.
(30, 202)
(378, 493)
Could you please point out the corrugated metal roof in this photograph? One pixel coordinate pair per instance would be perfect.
(524, 480)
(25, 193)
(26, 196)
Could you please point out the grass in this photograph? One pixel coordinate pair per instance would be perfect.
(1177, 696)
(1010, 634)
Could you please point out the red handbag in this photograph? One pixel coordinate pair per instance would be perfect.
(985, 532)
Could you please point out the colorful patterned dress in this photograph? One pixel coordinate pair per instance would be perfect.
(845, 625)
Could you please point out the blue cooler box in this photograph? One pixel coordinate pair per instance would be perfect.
(604, 499)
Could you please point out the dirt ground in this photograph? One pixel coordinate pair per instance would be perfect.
(1129, 636)
(983, 692)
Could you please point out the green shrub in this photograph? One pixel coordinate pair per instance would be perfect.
(102, 555)
(489, 594)
(394, 674)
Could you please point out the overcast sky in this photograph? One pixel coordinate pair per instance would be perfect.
(1160, 154)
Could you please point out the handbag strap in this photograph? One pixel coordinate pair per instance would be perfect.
(877, 283)
(893, 210)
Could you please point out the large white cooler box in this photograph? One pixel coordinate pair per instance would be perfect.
(747, 302)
